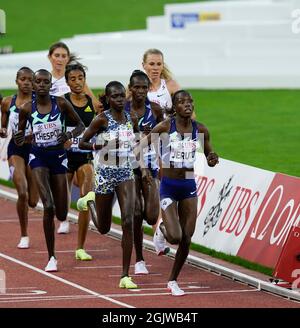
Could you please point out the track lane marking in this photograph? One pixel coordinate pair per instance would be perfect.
(72, 251)
(74, 285)
(186, 293)
(106, 267)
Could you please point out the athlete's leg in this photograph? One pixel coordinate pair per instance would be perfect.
(126, 197)
(159, 240)
(172, 228)
(42, 177)
(151, 200)
(187, 210)
(60, 192)
(18, 169)
(104, 206)
(138, 220)
(85, 179)
(70, 178)
(33, 194)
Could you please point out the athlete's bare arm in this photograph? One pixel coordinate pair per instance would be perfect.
(98, 124)
(24, 113)
(157, 112)
(66, 107)
(4, 116)
(172, 86)
(211, 157)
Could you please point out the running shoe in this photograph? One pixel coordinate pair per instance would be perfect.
(64, 227)
(160, 243)
(82, 203)
(126, 282)
(52, 265)
(82, 255)
(140, 268)
(174, 288)
(24, 242)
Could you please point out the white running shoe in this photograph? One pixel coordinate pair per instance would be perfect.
(24, 242)
(160, 243)
(52, 265)
(64, 227)
(174, 288)
(140, 268)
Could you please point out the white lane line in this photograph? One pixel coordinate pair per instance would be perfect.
(32, 292)
(79, 298)
(44, 298)
(20, 288)
(165, 283)
(73, 251)
(157, 288)
(52, 276)
(137, 275)
(104, 267)
(198, 292)
(16, 220)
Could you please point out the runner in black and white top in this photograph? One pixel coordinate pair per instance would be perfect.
(80, 161)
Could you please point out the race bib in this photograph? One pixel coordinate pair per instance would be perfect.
(45, 134)
(182, 152)
(75, 142)
(126, 141)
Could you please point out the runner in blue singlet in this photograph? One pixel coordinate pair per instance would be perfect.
(147, 197)
(48, 159)
(179, 137)
(18, 157)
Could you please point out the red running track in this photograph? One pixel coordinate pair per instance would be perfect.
(94, 284)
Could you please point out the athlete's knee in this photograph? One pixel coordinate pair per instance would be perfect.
(32, 203)
(151, 220)
(23, 196)
(103, 229)
(186, 239)
(138, 213)
(151, 214)
(127, 222)
(174, 240)
(49, 210)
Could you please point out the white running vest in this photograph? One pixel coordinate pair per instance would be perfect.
(161, 96)
(59, 87)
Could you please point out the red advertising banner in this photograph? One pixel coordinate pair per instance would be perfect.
(288, 265)
(278, 212)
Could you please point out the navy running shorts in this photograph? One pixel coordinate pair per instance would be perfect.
(22, 151)
(177, 189)
(55, 160)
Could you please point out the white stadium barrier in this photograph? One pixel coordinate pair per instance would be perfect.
(215, 45)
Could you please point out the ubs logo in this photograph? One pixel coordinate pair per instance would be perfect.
(215, 211)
